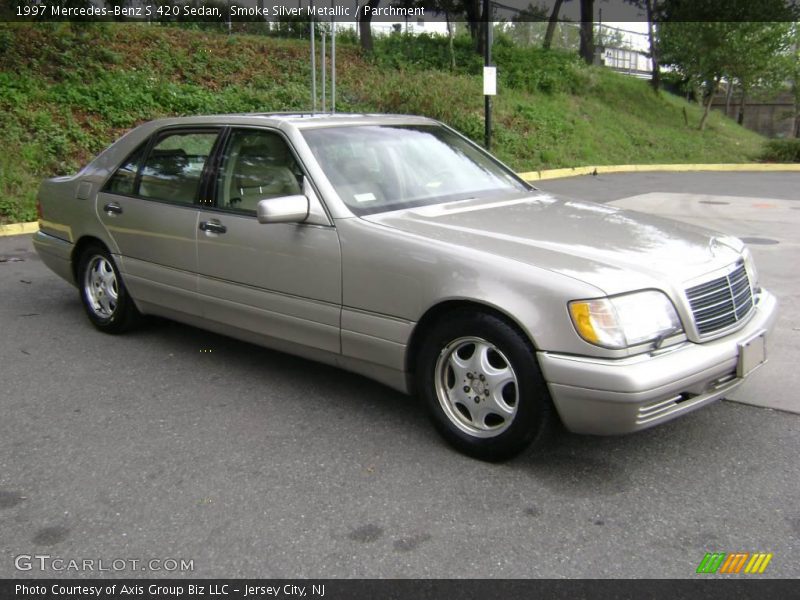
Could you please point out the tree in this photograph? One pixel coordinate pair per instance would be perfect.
(587, 31)
(787, 67)
(468, 12)
(610, 37)
(473, 9)
(449, 8)
(452, 10)
(650, 7)
(365, 24)
(522, 28)
(698, 51)
(551, 24)
(706, 51)
(757, 51)
(652, 10)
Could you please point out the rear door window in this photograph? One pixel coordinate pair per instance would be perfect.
(170, 171)
(173, 169)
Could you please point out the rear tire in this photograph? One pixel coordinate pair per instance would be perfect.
(482, 386)
(103, 294)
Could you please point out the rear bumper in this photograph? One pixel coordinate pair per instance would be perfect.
(55, 253)
(621, 396)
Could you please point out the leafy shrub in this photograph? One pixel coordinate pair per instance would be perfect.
(107, 56)
(786, 150)
(528, 69)
(17, 192)
(6, 40)
(536, 70)
(401, 50)
(347, 36)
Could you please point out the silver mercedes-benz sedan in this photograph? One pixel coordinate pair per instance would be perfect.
(394, 247)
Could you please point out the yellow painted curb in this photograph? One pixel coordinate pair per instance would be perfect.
(18, 228)
(571, 172)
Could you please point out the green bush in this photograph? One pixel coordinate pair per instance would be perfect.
(527, 69)
(401, 50)
(786, 151)
(537, 70)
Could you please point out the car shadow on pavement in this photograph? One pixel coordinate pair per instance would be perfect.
(236, 360)
(591, 466)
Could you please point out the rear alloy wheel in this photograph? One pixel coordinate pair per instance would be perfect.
(104, 297)
(483, 387)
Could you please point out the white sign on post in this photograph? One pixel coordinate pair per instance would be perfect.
(489, 81)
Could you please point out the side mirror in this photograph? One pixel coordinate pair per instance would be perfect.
(283, 209)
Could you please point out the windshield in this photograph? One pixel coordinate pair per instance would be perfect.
(379, 168)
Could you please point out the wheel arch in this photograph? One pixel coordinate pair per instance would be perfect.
(78, 250)
(439, 311)
(127, 314)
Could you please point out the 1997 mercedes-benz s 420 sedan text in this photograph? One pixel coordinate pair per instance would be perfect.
(394, 247)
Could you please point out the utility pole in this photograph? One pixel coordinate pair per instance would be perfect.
(333, 63)
(487, 109)
(313, 68)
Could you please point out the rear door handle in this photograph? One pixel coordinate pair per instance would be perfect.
(112, 208)
(212, 227)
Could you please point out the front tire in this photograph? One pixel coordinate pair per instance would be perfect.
(103, 294)
(482, 386)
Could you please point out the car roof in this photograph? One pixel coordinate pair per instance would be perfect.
(309, 120)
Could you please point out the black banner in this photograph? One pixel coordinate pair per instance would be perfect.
(396, 10)
(399, 589)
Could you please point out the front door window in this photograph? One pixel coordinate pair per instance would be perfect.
(256, 165)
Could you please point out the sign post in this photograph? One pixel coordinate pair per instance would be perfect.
(489, 74)
(313, 68)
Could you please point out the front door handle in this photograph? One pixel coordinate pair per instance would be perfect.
(212, 227)
(112, 208)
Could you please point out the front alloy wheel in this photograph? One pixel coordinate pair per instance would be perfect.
(481, 383)
(476, 387)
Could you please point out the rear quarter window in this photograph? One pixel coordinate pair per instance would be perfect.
(124, 180)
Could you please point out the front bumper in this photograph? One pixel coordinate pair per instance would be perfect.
(608, 396)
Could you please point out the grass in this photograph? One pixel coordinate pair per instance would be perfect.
(786, 150)
(67, 91)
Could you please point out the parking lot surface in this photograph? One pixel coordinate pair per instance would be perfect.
(173, 443)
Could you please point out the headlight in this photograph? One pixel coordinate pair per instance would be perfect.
(750, 267)
(627, 320)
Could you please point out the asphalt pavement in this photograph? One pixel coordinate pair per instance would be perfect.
(170, 443)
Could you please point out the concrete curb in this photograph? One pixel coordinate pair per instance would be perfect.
(23, 228)
(18, 228)
(572, 172)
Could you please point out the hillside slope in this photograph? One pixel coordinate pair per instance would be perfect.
(66, 92)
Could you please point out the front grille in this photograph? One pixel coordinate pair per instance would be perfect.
(721, 302)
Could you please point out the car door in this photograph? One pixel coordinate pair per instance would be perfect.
(280, 280)
(150, 210)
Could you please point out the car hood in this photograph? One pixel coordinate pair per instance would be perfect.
(612, 249)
